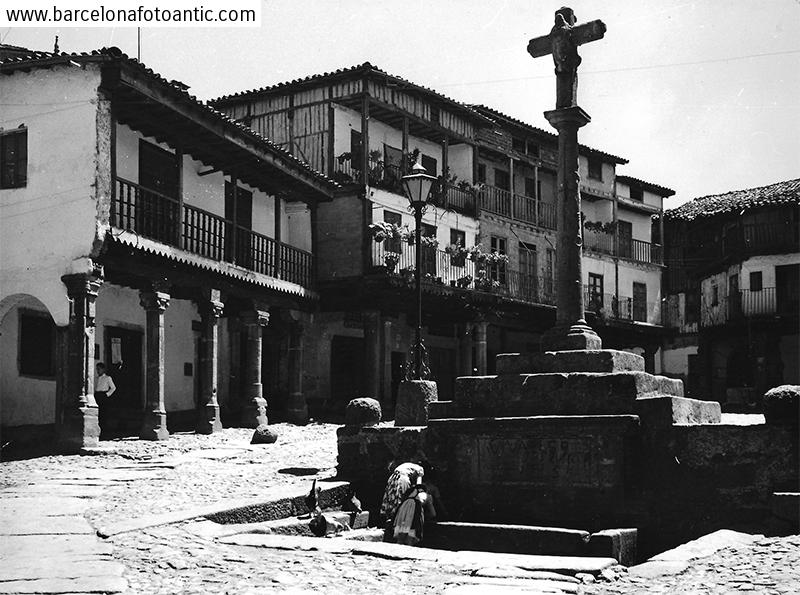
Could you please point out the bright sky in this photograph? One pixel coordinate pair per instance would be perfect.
(702, 97)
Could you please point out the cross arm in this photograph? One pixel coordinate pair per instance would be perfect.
(591, 31)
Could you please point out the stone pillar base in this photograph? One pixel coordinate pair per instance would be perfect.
(578, 336)
(154, 426)
(254, 413)
(80, 429)
(413, 401)
(208, 420)
(297, 411)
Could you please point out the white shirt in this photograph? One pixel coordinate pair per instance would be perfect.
(105, 384)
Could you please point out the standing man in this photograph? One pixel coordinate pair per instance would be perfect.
(103, 389)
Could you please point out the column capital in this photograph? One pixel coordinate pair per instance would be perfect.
(80, 284)
(210, 308)
(567, 116)
(255, 317)
(154, 300)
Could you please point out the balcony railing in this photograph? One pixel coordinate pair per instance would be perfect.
(517, 206)
(746, 304)
(164, 219)
(603, 243)
(622, 308)
(450, 270)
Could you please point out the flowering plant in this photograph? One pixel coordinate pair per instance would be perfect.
(381, 230)
(390, 259)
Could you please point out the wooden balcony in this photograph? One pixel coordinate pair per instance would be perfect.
(166, 220)
(517, 207)
(603, 243)
(621, 308)
(748, 304)
(438, 267)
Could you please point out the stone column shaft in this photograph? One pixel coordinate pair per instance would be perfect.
(254, 409)
(78, 424)
(571, 330)
(154, 422)
(208, 417)
(297, 411)
(480, 347)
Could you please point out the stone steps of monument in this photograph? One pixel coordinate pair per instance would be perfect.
(533, 540)
(659, 410)
(575, 393)
(601, 361)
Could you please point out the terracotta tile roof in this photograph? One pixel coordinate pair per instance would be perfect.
(365, 69)
(660, 190)
(495, 114)
(787, 192)
(37, 59)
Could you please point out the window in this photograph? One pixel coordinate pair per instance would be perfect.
(356, 149)
(692, 310)
(518, 144)
(595, 293)
(533, 150)
(596, 168)
(14, 158)
(714, 293)
(158, 169)
(458, 238)
(37, 341)
(392, 159)
(625, 238)
(530, 187)
(498, 272)
(637, 194)
(640, 302)
(502, 179)
(756, 281)
(529, 278)
(481, 173)
(434, 115)
(393, 244)
(550, 272)
(429, 163)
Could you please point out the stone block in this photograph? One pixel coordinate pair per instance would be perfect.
(442, 410)
(604, 360)
(363, 411)
(264, 435)
(513, 539)
(668, 410)
(615, 543)
(786, 506)
(782, 405)
(574, 393)
(413, 402)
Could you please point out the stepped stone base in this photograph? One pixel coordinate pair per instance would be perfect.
(575, 393)
(667, 410)
(603, 360)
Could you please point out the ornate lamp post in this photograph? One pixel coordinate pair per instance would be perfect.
(418, 186)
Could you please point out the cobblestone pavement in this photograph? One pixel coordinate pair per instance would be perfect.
(191, 470)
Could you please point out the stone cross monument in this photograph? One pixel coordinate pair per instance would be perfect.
(571, 331)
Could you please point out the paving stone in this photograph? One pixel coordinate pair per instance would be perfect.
(86, 584)
(31, 525)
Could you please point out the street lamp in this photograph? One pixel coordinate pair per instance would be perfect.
(418, 186)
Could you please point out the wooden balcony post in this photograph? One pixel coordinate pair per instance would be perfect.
(278, 269)
(405, 147)
(445, 175)
(179, 222)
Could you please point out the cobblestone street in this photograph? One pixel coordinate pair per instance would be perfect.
(138, 479)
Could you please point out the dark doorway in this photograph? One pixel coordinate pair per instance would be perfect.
(347, 371)
(123, 359)
(787, 288)
(443, 371)
(625, 238)
(239, 237)
(157, 200)
(640, 302)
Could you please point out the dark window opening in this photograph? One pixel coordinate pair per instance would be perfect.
(428, 251)
(435, 116)
(37, 341)
(481, 173)
(596, 168)
(502, 179)
(756, 281)
(393, 244)
(429, 163)
(356, 150)
(518, 144)
(640, 302)
(14, 159)
(530, 187)
(595, 293)
(458, 238)
(497, 272)
(637, 194)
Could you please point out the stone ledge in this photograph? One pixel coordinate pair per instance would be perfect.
(668, 410)
(617, 543)
(519, 539)
(575, 393)
(603, 360)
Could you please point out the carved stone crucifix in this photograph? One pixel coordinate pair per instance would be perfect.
(570, 331)
(562, 43)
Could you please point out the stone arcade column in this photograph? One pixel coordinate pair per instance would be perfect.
(78, 423)
(210, 308)
(254, 407)
(465, 349)
(154, 421)
(480, 347)
(297, 409)
(372, 346)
